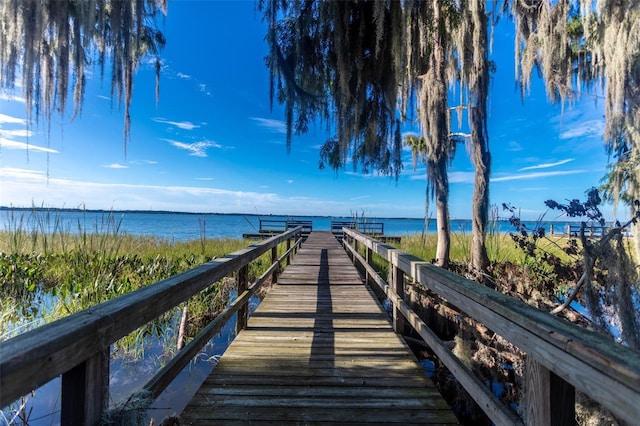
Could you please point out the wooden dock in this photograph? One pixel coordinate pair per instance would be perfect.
(319, 349)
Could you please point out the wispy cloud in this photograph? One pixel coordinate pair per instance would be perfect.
(184, 125)
(14, 172)
(183, 76)
(546, 165)
(147, 162)
(454, 177)
(204, 178)
(8, 119)
(537, 175)
(203, 89)
(584, 129)
(11, 144)
(196, 149)
(106, 98)
(514, 146)
(115, 166)
(275, 126)
(17, 133)
(12, 98)
(290, 181)
(362, 197)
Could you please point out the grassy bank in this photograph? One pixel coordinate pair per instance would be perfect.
(49, 275)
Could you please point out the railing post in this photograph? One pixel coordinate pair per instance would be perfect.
(549, 399)
(289, 255)
(369, 258)
(243, 312)
(398, 287)
(85, 391)
(274, 258)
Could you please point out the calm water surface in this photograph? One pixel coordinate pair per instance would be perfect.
(189, 226)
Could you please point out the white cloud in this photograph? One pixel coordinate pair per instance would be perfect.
(27, 174)
(196, 149)
(115, 166)
(183, 76)
(10, 144)
(275, 126)
(546, 165)
(536, 175)
(24, 186)
(585, 129)
(204, 178)
(359, 198)
(12, 98)
(184, 125)
(290, 181)
(17, 133)
(4, 118)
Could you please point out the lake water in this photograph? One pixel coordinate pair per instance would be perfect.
(190, 226)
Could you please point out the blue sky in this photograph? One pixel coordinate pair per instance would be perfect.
(213, 144)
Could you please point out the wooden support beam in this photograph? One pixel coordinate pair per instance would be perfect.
(549, 399)
(398, 287)
(274, 258)
(243, 312)
(369, 260)
(85, 391)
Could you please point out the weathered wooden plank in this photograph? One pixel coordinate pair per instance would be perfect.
(319, 348)
(209, 414)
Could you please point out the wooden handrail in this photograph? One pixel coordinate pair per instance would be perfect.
(77, 345)
(607, 372)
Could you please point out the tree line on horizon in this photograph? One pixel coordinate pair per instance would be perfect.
(365, 68)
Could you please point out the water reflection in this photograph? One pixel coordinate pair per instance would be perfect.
(130, 368)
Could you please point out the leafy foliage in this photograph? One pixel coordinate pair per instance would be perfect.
(609, 280)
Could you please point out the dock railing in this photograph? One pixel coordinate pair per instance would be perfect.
(370, 228)
(78, 346)
(561, 356)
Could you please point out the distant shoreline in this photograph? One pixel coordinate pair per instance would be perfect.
(80, 210)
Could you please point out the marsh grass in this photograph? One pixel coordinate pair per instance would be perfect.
(501, 248)
(95, 262)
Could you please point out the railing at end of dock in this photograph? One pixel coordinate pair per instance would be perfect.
(78, 346)
(562, 357)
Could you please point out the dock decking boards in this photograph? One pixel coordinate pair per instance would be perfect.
(319, 349)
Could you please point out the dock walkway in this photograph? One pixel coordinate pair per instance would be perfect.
(319, 349)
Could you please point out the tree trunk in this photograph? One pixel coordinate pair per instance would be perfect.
(480, 208)
(635, 233)
(480, 140)
(434, 101)
(441, 186)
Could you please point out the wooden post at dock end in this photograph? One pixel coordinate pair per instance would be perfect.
(398, 287)
(85, 391)
(549, 399)
(243, 281)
